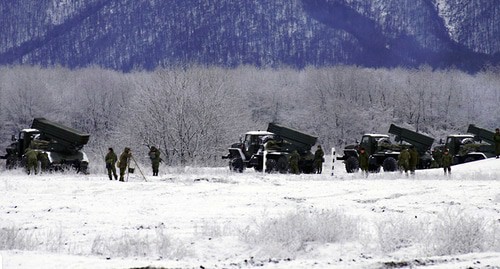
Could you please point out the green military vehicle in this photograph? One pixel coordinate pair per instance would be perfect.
(383, 153)
(278, 142)
(477, 145)
(61, 144)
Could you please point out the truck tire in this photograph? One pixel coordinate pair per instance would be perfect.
(351, 165)
(83, 168)
(258, 168)
(236, 165)
(271, 165)
(390, 164)
(282, 165)
(10, 163)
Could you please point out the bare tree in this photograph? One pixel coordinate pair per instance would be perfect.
(184, 111)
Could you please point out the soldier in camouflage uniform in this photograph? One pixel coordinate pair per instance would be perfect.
(447, 160)
(294, 162)
(32, 161)
(363, 161)
(110, 160)
(413, 159)
(44, 161)
(319, 159)
(496, 138)
(437, 157)
(154, 155)
(404, 160)
(124, 161)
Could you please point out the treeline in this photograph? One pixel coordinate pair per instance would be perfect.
(194, 113)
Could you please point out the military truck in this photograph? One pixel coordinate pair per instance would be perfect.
(279, 142)
(61, 144)
(477, 145)
(384, 153)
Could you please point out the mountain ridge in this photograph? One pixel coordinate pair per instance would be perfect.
(127, 36)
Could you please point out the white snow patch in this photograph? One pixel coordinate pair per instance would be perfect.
(79, 221)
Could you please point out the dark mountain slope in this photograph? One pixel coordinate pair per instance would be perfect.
(128, 35)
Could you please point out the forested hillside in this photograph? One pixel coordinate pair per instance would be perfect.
(137, 35)
(195, 113)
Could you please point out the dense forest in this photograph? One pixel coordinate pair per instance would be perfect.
(194, 113)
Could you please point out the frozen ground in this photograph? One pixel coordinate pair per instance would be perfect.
(211, 218)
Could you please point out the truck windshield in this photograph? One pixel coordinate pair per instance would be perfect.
(365, 142)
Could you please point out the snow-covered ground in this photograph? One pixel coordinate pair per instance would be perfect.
(211, 218)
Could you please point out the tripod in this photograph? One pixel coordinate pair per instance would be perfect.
(138, 167)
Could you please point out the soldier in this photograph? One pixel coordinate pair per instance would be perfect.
(44, 161)
(446, 160)
(438, 157)
(154, 155)
(294, 162)
(413, 159)
(319, 159)
(363, 161)
(110, 160)
(404, 160)
(124, 161)
(496, 138)
(32, 161)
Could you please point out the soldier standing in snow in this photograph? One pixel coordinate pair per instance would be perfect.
(363, 161)
(44, 161)
(404, 160)
(446, 160)
(154, 155)
(110, 160)
(294, 162)
(437, 156)
(413, 159)
(318, 160)
(32, 161)
(123, 162)
(496, 138)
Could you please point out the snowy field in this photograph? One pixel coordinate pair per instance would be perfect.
(211, 218)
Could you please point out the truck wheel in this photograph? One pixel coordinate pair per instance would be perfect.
(83, 168)
(390, 164)
(271, 165)
(10, 163)
(282, 165)
(352, 164)
(236, 165)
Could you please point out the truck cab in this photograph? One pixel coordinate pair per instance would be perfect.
(279, 143)
(60, 144)
(241, 153)
(378, 147)
(254, 141)
(18, 147)
(372, 142)
(467, 148)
